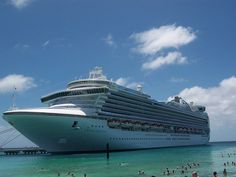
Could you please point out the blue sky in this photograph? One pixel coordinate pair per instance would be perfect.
(188, 48)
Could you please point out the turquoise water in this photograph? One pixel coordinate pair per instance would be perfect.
(124, 164)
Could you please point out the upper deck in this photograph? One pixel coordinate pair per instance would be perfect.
(97, 84)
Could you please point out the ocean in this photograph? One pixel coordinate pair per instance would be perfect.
(126, 164)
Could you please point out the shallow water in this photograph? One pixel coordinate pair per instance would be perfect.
(124, 164)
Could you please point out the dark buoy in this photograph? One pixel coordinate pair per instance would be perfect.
(108, 151)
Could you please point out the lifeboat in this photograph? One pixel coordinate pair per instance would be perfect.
(126, 124)
(137, 125)
(114, 124)
(145, 126)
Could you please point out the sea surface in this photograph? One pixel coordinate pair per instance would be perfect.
(125, 164)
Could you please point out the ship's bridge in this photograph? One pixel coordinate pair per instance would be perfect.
(96, 79)
(87, 83)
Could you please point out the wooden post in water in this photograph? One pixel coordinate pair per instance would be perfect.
(108, 151)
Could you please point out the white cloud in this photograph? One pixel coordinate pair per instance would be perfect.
(22, 47)
(20, 82)
(151, 44)
(170, 58)
(109, 40)
(154, 40)
(126, 82)
(122, 81)
(221, 106)
(46, 43)
(20, 3)
(57, 43)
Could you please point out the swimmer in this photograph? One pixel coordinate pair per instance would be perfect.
(194, 174)
(43, 169)
(214, 174)
(168, 172)
(225, 172)
(141, 172)
(123, 164)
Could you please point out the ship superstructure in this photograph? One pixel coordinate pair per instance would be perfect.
(94, 112)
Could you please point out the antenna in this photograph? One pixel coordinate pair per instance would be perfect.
(14, 98)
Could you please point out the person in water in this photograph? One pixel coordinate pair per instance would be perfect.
(225, 172)
(194, 174)
(141, 172)
(214, 174)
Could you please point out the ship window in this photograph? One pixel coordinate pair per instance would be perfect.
(75, 124)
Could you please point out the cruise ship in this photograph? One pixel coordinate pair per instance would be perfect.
(95, 113)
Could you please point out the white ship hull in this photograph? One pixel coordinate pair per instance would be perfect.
(54, 133)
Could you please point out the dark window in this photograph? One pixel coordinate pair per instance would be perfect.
(75, 124)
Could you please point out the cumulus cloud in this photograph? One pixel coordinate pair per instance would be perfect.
(16, 82)
(151, 44)
(220, 103)
(19, 4)
(170, 58)
(109, 40)
(121, 81)
(154, 40)
(126, 82)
